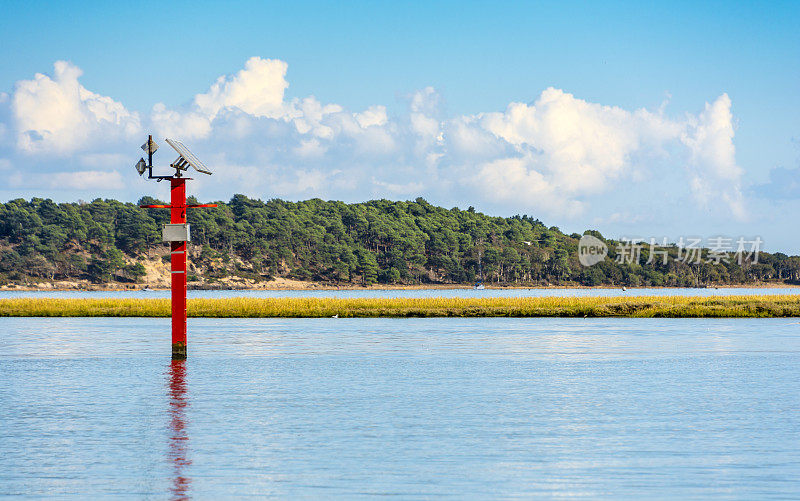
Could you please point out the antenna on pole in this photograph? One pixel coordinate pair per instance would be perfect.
(149, 147)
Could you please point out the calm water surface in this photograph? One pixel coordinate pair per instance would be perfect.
(411, 408)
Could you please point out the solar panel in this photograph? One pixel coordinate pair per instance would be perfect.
(186, 158)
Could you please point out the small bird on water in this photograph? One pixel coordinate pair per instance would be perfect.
(335, 316)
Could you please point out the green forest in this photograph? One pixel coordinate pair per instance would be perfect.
(336, 243)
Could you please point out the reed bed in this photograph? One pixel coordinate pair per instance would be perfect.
(644, 306)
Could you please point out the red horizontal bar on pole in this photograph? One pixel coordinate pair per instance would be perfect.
(190, 206)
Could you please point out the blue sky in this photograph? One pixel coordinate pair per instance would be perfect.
(639, 120)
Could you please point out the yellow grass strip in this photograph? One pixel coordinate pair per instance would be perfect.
(644, 306)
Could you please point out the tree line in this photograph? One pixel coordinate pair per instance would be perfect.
(380, 241)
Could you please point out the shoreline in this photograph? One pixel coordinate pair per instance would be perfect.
(316, 286)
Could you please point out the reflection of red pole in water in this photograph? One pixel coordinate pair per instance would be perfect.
(179, 439)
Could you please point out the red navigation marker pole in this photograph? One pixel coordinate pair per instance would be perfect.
(178, 266)
(177, 232)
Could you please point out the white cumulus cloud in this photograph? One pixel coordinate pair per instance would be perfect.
(716, 177)
(558, 154)
(573, 149)
(256, 90)
(58, 115)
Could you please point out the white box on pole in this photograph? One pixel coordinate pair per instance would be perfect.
(176, 232)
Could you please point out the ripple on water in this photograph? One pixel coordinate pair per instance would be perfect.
(407, 407)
